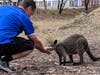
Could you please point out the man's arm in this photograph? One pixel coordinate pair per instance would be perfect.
(38, 44)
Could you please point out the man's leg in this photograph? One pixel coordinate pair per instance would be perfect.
(4, 61)
(20, 47)
(22, 54)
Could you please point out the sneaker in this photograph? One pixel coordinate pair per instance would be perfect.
(5, 66)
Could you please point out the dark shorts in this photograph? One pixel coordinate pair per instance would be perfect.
(18, 45)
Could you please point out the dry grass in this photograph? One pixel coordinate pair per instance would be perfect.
(67, 13)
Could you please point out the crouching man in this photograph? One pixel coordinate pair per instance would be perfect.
(14, 20)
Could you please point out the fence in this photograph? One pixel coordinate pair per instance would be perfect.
(54, 3)
(11, 2)
(92, 3)
(49, 3)
(72, 3)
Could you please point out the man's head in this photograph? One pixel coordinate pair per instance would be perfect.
(29, 6)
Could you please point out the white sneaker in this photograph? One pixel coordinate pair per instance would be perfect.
(5, 66)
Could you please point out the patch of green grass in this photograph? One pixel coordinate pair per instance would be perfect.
(36, 26)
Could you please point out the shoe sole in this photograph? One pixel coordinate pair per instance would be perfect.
(5, 69)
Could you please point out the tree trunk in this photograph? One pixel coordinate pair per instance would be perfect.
(86, 5)
(62, 4)
(70, 2)
(45, 6)
(58, 7)
(4, 2)
(9, 2)
(18, 2)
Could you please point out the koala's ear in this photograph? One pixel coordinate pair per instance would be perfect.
(55, 42)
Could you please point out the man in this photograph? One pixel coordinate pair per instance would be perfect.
(14, 20)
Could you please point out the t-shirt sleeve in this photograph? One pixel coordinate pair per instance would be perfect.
(28, 26)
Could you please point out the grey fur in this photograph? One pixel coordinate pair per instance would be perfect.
(75, 44)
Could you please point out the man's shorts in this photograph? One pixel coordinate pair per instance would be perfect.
(18, 45)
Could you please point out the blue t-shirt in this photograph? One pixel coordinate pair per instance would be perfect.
(13, 21)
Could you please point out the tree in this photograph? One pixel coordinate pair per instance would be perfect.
(18, 2)
(58, 4)
(71, 2)
(9, 2)
(61, 5)
(86, 5)
(45, 6)
(4, 1)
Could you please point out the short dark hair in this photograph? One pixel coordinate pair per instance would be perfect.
(27, 3)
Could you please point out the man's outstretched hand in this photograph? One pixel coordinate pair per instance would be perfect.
(47, 50)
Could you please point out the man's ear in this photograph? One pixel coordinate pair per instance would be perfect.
(55, 42)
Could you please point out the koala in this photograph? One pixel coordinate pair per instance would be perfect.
(74, 44)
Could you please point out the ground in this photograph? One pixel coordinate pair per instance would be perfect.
(51, 27)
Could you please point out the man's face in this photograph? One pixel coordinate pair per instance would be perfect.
(29, 11)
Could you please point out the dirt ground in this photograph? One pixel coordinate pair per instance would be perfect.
(38, 63)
